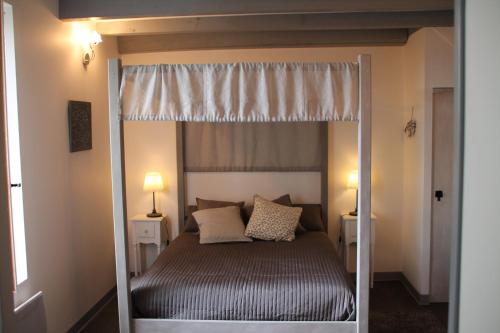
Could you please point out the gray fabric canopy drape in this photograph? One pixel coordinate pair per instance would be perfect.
(254, 146)
(241, 92)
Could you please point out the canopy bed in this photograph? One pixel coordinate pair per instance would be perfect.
(248, 92)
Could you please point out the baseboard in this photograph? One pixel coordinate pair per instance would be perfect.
(87, 317)
(398, 276)
(419, 298)
(387, 276)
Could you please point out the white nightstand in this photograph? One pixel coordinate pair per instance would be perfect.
(349, 235)
(148, 230)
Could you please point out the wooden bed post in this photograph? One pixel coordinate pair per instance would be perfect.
(181, 192)
(119, 197)
(364, 212)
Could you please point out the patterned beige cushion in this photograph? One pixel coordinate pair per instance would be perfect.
(221, 225)
(271, 221)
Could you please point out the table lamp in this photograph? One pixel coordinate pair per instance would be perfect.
(152, 183)
(352, 183)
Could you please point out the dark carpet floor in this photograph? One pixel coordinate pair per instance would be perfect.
(392, 310)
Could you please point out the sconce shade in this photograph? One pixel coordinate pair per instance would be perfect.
(153, 182)
(94, 38)
(352, 180)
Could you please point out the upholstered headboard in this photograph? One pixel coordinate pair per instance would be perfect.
(255, 169)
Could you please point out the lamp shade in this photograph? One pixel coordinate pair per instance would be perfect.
(153, 182)
(95, 38)
(352, 180)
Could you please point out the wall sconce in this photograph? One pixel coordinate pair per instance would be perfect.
(93, 38)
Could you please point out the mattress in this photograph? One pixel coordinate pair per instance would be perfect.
(301, 280)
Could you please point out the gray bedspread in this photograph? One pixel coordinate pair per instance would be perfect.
(301, 280)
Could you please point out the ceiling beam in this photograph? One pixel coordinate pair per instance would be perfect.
(261, 39)
(78, 9)
(284, 22)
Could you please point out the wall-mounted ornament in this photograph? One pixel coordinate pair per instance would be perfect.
(80, 126)
(411, 125)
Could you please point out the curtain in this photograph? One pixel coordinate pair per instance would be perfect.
(241, 92)
(254, 146)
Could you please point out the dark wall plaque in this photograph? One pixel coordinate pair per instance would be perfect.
(80, 126)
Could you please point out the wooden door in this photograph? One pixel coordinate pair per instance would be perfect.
(442, 180)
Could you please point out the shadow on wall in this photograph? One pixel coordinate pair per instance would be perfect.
(30, 316)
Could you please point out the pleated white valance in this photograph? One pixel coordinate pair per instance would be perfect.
(254, 92)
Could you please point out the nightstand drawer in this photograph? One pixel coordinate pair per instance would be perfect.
(145, 230)
(349, 231)
(353, 234)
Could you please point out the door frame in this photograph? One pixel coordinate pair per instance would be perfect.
(456, 232)
(7, 284)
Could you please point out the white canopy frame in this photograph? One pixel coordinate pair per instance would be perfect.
(131, 325)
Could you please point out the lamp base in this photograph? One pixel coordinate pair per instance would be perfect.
(154, 214)
(353, 213)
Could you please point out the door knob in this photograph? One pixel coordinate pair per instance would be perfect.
(439, 194)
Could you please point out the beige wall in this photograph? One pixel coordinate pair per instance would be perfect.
(388, 106)
(412, 239)
(150, 146)
(67, 196)
(480, 265)
(428, 64)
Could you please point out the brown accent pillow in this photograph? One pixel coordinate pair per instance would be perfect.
(192, 226)
(284, 200)
(272, 221)
(221, 225)
(208, 204)
(311, 218)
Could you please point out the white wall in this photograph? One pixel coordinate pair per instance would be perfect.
(67, 196)
(480, 266)
(428, 64)
(388, 107)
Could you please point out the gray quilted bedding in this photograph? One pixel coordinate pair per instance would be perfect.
(301, 280)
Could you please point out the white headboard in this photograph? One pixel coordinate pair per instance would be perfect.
(303, 187)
